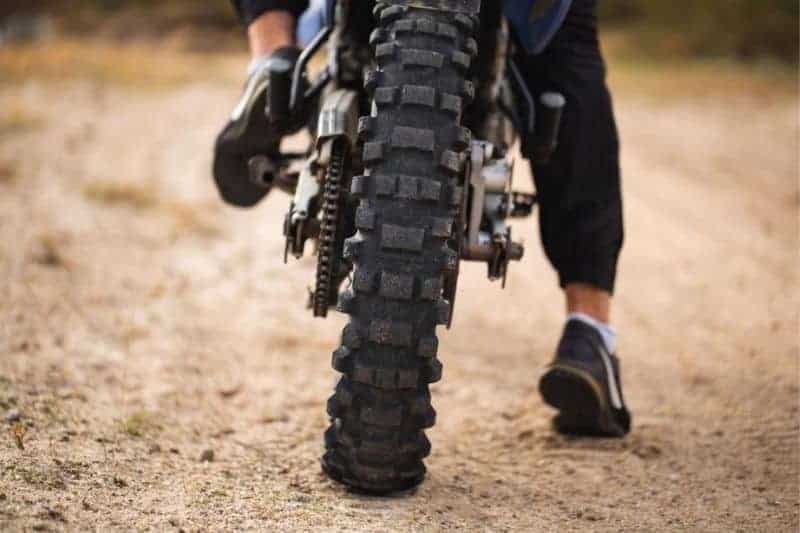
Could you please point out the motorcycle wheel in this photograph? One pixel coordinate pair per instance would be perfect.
(410, 198)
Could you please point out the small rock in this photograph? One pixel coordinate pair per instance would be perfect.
(528, 433)
(230, 392)
(13, 415)
(50, 514)
(207, 456)
(647, 452)
(154, 448)
(175, 451)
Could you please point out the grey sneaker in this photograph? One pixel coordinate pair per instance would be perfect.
(247, 134)
(583, 383)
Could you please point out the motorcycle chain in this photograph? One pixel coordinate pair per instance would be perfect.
(329, 251)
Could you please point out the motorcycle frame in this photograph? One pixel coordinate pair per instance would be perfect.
(487, 236)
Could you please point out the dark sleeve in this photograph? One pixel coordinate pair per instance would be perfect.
(250, 10)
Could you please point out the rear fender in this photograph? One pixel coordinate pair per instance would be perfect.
(468, 7)
(338, 118)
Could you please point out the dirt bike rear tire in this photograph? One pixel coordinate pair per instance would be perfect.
(410, 196)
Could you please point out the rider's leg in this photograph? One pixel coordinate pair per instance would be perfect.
(588, 300)
(581, 225)
(579, 189)
(592, 305)
(249, 132)
(270, 31)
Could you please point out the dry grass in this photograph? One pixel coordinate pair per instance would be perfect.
(133, 195)
(48, 252)
(8, 172)
(140, 423)
(140, 65)
(630, 70)
(162, 64)
(129, 335)
(707, 79)
(193, 218)
(15, 117)
(187, 218)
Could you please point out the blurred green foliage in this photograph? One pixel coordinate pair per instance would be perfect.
(743, 29)
(165, 13)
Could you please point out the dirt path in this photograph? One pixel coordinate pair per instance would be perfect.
(141, 324)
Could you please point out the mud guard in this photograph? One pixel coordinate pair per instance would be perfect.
(338, 118)
(468, 7)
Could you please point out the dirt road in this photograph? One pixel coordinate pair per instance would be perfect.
(143, 325)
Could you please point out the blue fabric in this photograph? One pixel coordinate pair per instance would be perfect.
(535, 22)
(312, 21)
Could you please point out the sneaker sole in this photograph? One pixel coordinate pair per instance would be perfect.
(230, 166)
(578, 396)
(238, 191)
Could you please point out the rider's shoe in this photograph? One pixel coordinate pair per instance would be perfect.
(249, 133)
(583, 383)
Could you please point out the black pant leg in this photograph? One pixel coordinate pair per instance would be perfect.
(579, 189)
(250, 10)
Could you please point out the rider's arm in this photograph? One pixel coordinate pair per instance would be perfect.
(249, 10)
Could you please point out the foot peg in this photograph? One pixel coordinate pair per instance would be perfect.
(262, 171)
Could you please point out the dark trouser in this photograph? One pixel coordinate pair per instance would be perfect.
(580, 196)
(251, 9)
(579, 189)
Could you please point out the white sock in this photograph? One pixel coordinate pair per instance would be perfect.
(608, 333)
(257, 63)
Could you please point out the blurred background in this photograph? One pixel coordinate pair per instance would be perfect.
(144, 325)
(712, 42)
(737, 29)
